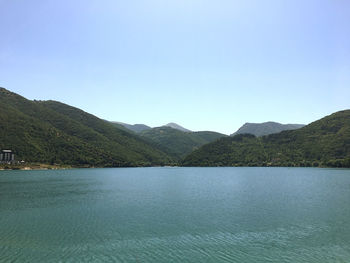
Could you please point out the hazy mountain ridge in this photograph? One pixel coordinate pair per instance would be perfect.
(266, 128)
(143, 127)
(133, 127)
(177, 127)
(325, 142)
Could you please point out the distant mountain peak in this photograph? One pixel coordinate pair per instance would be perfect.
(266, 128)
(177, 127)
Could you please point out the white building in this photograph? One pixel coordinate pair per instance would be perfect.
(7, 156)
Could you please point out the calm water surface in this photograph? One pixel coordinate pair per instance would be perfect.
(175, 215)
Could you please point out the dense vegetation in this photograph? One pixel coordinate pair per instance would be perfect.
(325, 142)
(266, 128)
(133, 127)
(177, 143)
(52, 132)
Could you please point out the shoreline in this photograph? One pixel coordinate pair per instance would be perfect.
(30, 167)
(40, 167)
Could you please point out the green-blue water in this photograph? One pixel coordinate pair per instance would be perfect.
(175, 215)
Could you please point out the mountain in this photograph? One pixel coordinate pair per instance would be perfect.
(266, 128)
(142, 127)
(325, 142)
(53, 132)
(176, 127)
(133, 127)
(178, 143)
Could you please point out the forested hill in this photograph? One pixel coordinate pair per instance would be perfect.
(266, 128)
(52, 132)
(178, 143)
(325, 142)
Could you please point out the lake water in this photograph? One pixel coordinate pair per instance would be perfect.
(175, 215)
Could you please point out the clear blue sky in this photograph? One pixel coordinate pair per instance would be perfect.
(204, 64)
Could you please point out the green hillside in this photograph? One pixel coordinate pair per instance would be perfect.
(325, 142)
(177, 143)
(52, 132)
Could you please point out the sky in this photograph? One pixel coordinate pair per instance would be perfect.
(204, 64)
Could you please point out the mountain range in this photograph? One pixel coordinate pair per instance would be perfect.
(257, 129)
(51, 132)
(172, 139)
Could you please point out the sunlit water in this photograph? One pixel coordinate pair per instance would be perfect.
(175, 215)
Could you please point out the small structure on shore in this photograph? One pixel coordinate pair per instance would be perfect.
(7, 156)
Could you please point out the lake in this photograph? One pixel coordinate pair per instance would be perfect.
(175, 215)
